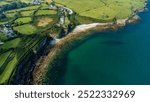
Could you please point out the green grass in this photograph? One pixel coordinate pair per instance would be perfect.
(26, 29)
(2, 37)
(3, 22)
(46, 12)
(18, 49)
(3, 57)
(30, 8)
(23, 20)
(11, 44)
(3, 2)
(10, 15)
(25, 8)
(4, 77)
(27, 13)
(26, 1)
(103, 9)
(27, 44)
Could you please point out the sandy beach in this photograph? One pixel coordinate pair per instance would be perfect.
(62, 44)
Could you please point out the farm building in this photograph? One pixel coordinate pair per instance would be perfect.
(36, 1)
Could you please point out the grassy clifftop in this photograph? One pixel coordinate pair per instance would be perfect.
(103, 9)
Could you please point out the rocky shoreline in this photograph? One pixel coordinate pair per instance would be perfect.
(47, 63)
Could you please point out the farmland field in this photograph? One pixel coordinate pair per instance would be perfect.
(27, 13)
(26, 22)
(25, 8)
(2, 36)
(8, 71)
(26, 29)
(103, 9)
(22, 48)
(44, 21)
(11, 44)
(46, 12)
(23, 20)
(49, 1)
(11, 15)
(3, 3)
(26, 1)
(4, 57)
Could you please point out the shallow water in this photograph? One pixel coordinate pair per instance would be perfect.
(121, 57)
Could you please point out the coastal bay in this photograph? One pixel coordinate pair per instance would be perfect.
(37, 36)
(66, 45)
(106, 58)
(56, 57)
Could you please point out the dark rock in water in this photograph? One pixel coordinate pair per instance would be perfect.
(134, 19)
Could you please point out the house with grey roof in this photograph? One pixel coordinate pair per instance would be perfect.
(36, 1)
(8, 31)
(1, 43)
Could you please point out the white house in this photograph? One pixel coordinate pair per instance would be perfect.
(52, 6)
(8, 31)
(36, 1)
(1, 43)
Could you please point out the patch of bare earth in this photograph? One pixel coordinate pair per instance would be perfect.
(49, 1)
(44, 22)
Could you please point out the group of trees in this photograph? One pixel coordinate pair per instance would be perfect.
(11, 6)
(2, 16)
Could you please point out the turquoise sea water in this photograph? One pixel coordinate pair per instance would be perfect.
(121, 57)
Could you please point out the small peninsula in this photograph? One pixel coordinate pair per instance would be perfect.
(35, 35)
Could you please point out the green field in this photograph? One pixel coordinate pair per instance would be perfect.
(11, 44)
(26, 1)
(103, 9)
(27, 13)
(45, 12)
(27, 23)
(25, 8)
(2, 37)
(3, 22)
(3, 58)
(23, 20)
(26, 29)
(11, 15)
(8, 71)
(10, 59)
(3, 3)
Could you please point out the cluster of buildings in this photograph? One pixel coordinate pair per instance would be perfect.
(36, 1)
(1, 43)
(7, 31)
(64, 11)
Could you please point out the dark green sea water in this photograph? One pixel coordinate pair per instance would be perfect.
(121, 57)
